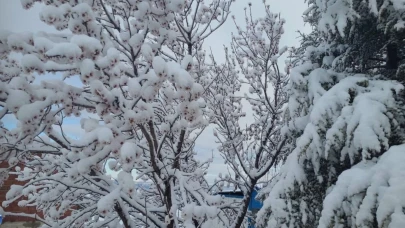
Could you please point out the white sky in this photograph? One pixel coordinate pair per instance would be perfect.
(14, 18)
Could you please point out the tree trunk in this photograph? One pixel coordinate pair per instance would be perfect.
(242, 213)
(168, 195)
(122, 216)
(392, 56)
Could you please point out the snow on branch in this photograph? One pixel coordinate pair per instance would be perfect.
(139, 108)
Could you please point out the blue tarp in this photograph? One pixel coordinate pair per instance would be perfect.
(254, 204)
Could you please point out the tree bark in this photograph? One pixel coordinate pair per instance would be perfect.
(122, 216)
(245, 206)
(392, 56)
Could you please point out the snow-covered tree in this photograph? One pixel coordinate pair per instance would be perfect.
(346, 114)
(250, 151)
(138, 90)
(370, 33)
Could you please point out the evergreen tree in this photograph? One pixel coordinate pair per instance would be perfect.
(346, 113)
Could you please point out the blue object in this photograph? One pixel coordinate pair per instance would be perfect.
(254, 205)
(1, 219)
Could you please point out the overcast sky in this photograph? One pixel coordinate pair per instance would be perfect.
(14, 18)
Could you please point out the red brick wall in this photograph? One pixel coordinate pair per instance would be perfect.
(14, 206)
